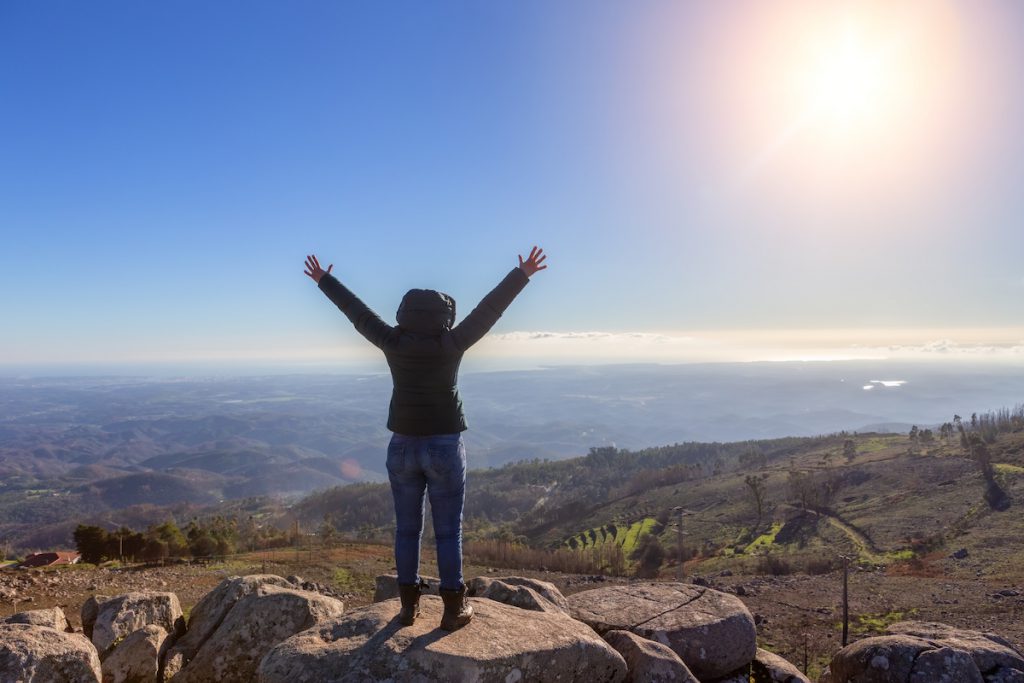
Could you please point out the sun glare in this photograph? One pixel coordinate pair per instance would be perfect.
(850, 82)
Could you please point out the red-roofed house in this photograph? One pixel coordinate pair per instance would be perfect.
(51, 559)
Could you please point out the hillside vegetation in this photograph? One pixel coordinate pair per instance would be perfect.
(906, 501)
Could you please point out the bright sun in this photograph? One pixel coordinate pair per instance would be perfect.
(850, 82)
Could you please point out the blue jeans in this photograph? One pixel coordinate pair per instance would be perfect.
(435, 464)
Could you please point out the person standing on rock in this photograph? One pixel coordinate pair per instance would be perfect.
(426, 453)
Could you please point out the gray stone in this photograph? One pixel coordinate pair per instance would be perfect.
(502, 644)
(648, 661)
(768, 667)
(210, 611)
(518, 596)
(989, 651)
(53, 617)
(39, 653)
(121, 616)
(136, 659)
(255, 624)
(478, 588)
(90, 610)
(712, 632)
(386, 586)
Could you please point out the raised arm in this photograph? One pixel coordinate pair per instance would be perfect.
(489, 310)
(366, 322)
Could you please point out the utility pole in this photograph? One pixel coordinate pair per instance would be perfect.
(846, 598)
(680, 511)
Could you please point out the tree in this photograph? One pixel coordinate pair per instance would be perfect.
(92, 543)
(757, 486)
(849, 450)
(649, 556)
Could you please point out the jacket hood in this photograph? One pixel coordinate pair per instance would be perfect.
(426, 311)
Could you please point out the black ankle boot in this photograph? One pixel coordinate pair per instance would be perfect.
(410, 596)
(457, 610)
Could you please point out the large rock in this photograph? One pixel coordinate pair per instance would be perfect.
(121, 616)
(768, 667)
(479, 587)
(90, 610)
(522, 597)
(39, 653)
(254, 625)
(501, 644)
(209, 612)
(920, 652)
(386, 586)
(136, 659)
(53, 617)
(712, 632)
(648, 661)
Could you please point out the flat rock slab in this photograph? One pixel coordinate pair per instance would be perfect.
(712, 632)
(485, 587)
(502, 644)
(39, 653)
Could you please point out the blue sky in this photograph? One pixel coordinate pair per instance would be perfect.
(166, 167)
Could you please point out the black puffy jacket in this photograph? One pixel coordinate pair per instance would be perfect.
(424, 350)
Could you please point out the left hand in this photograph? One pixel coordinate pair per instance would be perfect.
(314, 270)
(533, 262)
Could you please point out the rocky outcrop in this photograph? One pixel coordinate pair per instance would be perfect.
(648, 661)
(502, 644)
(119, 617)
(255, 624)
(481, 587)
(209, 613)
(39, 653)
(53, 617)
(919, 652)
(712, 632)
(136, 659)
(768, 667)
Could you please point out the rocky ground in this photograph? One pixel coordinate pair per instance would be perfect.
(797, 616)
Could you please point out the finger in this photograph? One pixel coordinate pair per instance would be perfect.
(316, 261)
(541, 267)
(540, 260)
(329, 268)
(306, 272)
(533, 252)
(520, 259)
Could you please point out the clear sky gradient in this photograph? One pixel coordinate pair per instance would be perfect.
(809, 171)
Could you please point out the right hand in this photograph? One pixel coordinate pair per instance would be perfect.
(314, 270)
(533, 262)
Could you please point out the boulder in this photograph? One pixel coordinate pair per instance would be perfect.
(922, 652)
(386, 586)
(208, 614)
(712, 632)
(51, 618)
(502, 644)
(989, 651)
(39, 653)
(90, 609)
(121, 616)
(254, 625)
(478, 587)
(647, 660)
(518, 596)
(768, 667)
(136, 659)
